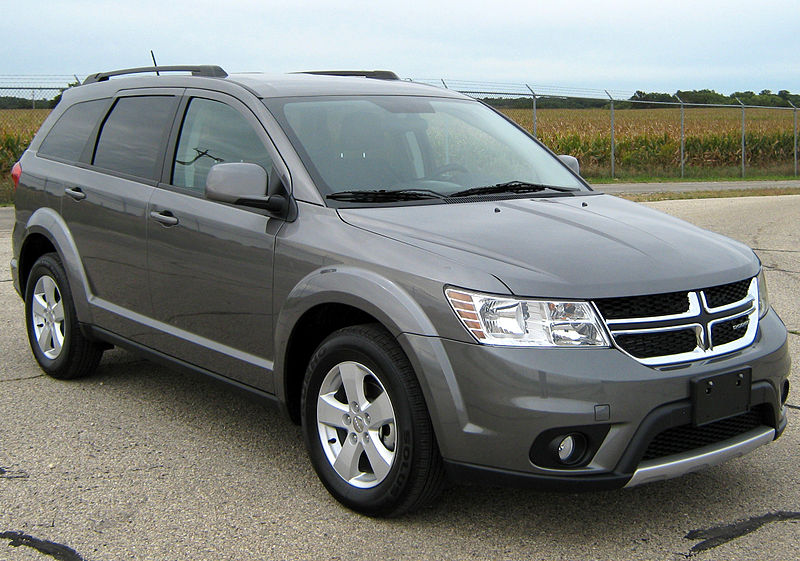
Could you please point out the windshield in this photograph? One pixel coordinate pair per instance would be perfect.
(421, 144)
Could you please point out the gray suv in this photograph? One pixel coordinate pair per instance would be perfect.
(422, 285)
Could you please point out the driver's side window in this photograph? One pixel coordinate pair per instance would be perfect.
(212, 133)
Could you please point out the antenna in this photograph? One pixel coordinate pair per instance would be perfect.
(155, 64)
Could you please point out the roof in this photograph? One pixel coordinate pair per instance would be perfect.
(294, 85)
(265, 85)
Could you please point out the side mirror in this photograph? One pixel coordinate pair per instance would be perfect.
(571, 162)
(243, 184)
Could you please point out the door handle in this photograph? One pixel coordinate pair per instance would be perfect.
(165, 217)
(76, 193)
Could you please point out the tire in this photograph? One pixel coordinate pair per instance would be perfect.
(384, 466)
(56, 340)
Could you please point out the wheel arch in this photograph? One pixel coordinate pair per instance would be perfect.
(47, 232)
(328, 300)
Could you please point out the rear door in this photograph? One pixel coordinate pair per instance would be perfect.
(105, 205)
(211, 263)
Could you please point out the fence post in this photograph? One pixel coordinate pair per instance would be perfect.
(794, 114)
(743, 131)
(533, 96)
(683, 137)
(612, 134)
(33, 99)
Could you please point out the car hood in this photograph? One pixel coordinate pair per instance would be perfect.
(590, 246)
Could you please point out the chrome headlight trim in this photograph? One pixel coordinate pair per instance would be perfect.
(528, 322)
(763, 295)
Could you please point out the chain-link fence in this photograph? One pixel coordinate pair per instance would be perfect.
(610, 133)
(22, 110)
(615, 135)
(25, 102)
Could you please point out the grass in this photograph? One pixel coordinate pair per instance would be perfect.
(709, 194)
(655, 178)
(6, 191)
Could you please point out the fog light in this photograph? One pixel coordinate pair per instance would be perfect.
(569, 449)
(565, 449)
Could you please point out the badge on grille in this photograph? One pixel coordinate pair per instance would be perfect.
(741, 325)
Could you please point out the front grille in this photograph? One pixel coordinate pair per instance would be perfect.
(688, 437)
(724, 332)
(671, 303)
(663, 343)
(725, 294)
(676, 327)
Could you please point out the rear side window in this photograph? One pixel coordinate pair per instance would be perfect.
(68, 137)
(213, 133)
(133, 134)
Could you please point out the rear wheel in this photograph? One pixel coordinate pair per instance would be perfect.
(53, 332)
(366, 425)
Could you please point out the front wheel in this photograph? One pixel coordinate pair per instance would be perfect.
(366, 426)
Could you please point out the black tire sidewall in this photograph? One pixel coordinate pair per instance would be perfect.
(391, 491)
(49, 265)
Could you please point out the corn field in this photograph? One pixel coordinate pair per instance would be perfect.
(648, 140)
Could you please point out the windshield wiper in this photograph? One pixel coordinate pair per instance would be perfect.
(512, 187)
(383, 195)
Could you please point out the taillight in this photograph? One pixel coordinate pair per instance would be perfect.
(16, 172)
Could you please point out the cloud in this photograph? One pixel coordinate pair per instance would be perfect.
(603, 45)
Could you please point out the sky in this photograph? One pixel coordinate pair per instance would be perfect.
(621, 46)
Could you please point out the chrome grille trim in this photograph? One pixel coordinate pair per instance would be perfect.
(727, 307)
(701, 319)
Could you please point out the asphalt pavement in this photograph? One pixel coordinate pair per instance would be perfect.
(142, 462)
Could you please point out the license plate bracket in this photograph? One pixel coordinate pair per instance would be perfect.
(720, 396)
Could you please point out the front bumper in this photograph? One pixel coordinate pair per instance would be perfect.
(489, 405)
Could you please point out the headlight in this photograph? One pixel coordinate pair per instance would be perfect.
(498, 320)
(763, 297)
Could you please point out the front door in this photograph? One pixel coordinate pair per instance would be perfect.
(210, 263)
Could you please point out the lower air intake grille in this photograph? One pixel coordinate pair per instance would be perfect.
(688, 437)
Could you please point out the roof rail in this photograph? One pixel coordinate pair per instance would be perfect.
(203, 70)
(376, 74)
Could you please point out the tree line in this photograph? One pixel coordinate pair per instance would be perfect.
(764, 98)
(13, 102)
